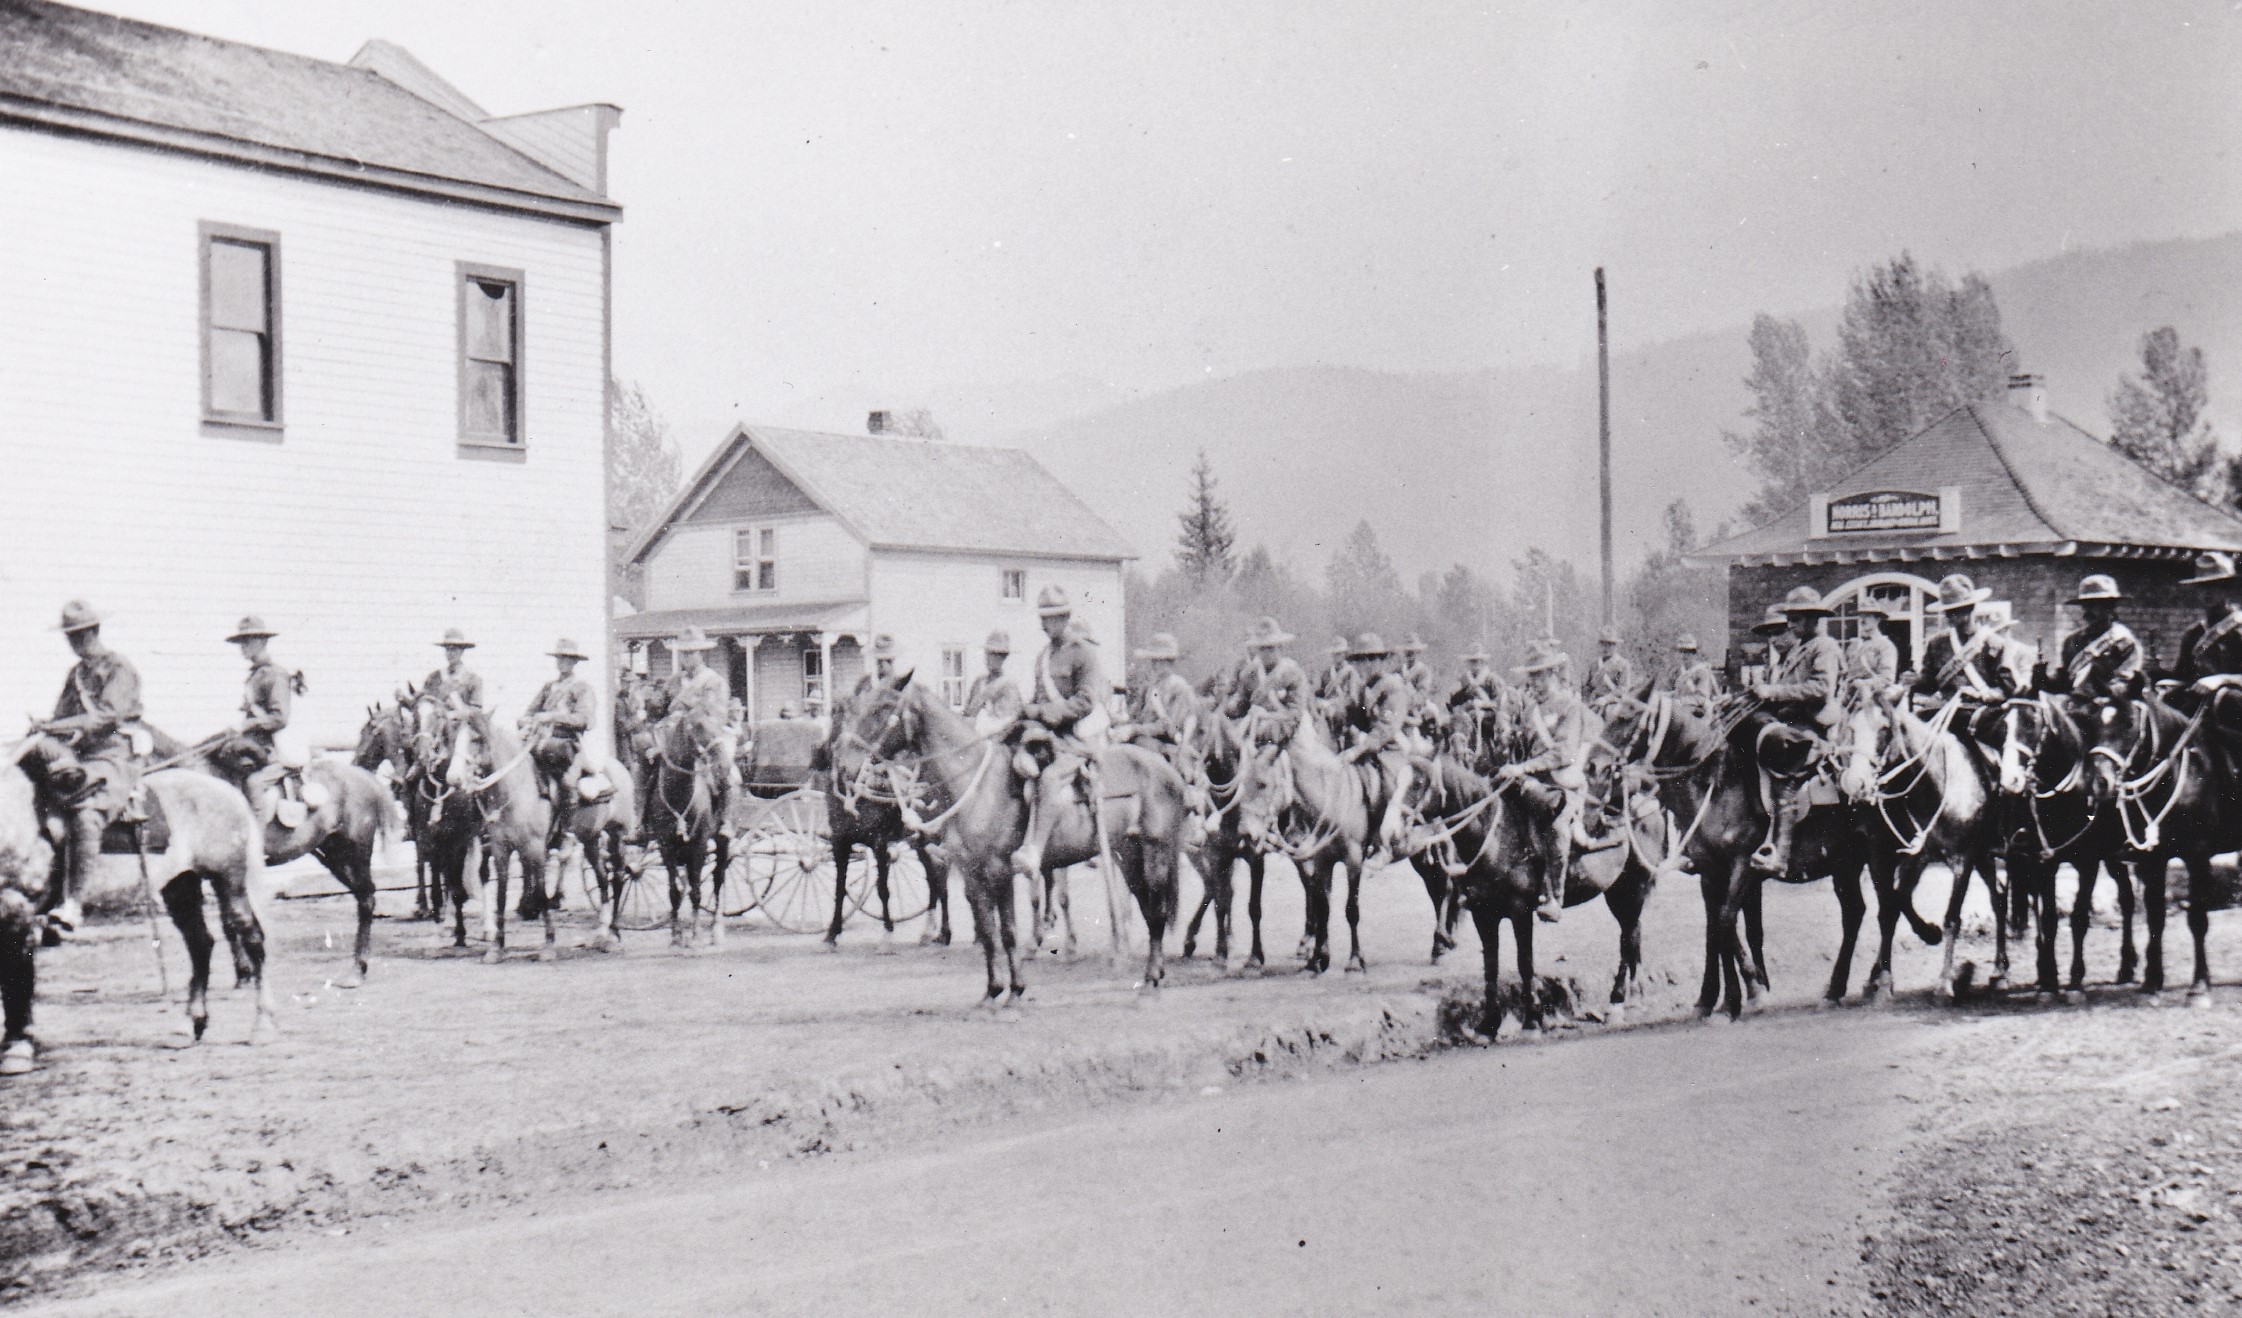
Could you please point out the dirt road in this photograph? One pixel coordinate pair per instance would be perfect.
(1681, 1171)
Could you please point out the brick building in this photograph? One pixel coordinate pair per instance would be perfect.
(2024, 502)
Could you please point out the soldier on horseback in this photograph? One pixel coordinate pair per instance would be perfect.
(1871, 659)
(993, 705)
(1337, 687)
(2102, 660)
(1553, 777)
(1971, 657)
(254, 751)
(1612, 678)
(1268, 689)
(1694, 679)
(1378, 730)
(555, 726)
(1164, 717)
(701, 697)
(1066, 712)
(2211, 650)
(1801, 693)
(455, 680)
(88, 753)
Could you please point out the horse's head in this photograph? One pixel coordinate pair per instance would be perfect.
(2108, 734)
(1860, 749)
(469, 757)
(877, 722)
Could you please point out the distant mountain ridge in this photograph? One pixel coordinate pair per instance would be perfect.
(1475, 467)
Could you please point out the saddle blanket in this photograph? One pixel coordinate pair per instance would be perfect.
(155, 831)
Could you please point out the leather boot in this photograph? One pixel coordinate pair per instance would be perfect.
(85, 851)
(1773, 856)
(1552, 908)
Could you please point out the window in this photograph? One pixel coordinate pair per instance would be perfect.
(755, 558)
(490, 355)
(1015, 583)
(953, 676)
(813, 680)
(240, 325)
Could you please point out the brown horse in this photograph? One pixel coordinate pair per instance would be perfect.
(1225, 844)
(866, 809)
(211, 837)
(387, 742)
(490, 771)
(685, 821)
(1319, 810)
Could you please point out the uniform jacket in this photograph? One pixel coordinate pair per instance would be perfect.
(570, 700)
(2222, 653)
(1611, 678)
(1338, 684)
(1873, 658)
(1068, 684)
(1805, 683)
(100, 703)
(703, 694)
(267, 698)
(1559, 730)
(1382, 714)
(1996, 667)
(467, 685)
(1167, 708)
(998, 697)
(1418, 675)
(1697, 678)
(2105, 664)
(1279, 695)
(1485, 688)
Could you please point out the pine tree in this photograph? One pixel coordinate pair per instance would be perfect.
(2157, 415)
(1206, 547)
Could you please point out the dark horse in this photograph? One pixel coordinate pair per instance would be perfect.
(685, 784)
(2063, 814)
(866, 809)
(211, 837)
(387, 743)
(1217, 855)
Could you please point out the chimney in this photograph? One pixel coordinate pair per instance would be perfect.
(876, 423)
(2030, 393)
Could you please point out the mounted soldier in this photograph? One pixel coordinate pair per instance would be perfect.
(2102, 660)
(1477, 695)
(1971, 657)
(455, 680)
(1268, 690)
(883, 657)
(1065, 713)
(1613, 677)
(555, 726)
(1336, 686)
(702, 697)
(1872, 659)
(2211, 650)
(1801, 692)
(90, 750)
(1377, 730)
(1414, 670)
(1553, 775)
(993, 704)
(1694, 679)
(259, 753)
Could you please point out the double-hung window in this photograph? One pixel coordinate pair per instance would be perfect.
(755, 559)
(813, 680)
(1015, 583)
(240, 325)
(953, 676)
(490, 356)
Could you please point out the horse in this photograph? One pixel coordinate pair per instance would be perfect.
(683, 820)
(1225, 843)
(2048, 769)
(386, 748)
(212, 837)
(1474, 736)
(341, 832)
(2168, 793)
(1136, 831)
(867, 810)
(1936, 799)
(489, 770)
(597, 830)
(1316, 808)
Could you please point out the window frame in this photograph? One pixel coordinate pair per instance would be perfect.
(208, 233)
(1004, 584)
(813, 678)
(956, 683)
(758, 564)
(463, 274)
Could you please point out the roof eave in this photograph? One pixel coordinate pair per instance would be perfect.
(95, 123)
(979, 551)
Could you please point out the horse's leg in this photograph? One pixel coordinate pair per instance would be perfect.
(673, 865)
(1255, 871)
(2082, 912)
(1712, 890)
(1489, 924)
(2129, 959)
(18, 980)
(1735, 972)
(1205, 865)
(1950, 928)
(1755, 971)
(1318, 877)
(1060, 898)
(455, 881)
(1996, 893)
(1437, 888)
(1005, 902)
(1529, 979)
(247, 933)
(1355, 963)
(360, 881)
(980, 894)
(938, 893)
(2200, 896)
(1224, 892)
(1140, 860)
(1625, 899)
(844, 850)
(2153, 873)
(2049, 919)
(183, 898)
(721, 862)
(1884, 879)
(1845, 880)
(500, 858)
(538, 871)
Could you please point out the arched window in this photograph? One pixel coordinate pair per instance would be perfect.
(1892, 602)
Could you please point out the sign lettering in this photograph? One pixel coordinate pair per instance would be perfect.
(1887, 510)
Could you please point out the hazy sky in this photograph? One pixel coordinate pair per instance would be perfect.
(848, 200)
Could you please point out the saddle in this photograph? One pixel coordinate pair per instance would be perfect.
(145, 812)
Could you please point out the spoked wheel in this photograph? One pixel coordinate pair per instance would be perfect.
(907, 895)
(645, 900)
(786, 861)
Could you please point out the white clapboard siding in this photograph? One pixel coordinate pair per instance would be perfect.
(361, 533)
(930, 601)
(818, 561)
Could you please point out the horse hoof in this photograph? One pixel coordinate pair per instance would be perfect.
(20, 1057)
(1615, 1014)
(2043, 998)
(356, 979)
(492, 956)
(829, 943)
(1930, 935)
(2199, 998)
(2075, 997)
(1830, 1002)
(2125, 976)
(200, 1024)
(1355, 966)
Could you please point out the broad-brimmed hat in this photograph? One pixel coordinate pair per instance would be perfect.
(1369, 645)
(1957, 592)
(883, 646)
(1478, 656)
(455, 639)
(2211, 566)
(1804, 599)
(1686, 643)
(566, 648)
(1774, 621)
(251, 626)
(1161, 646)
(78, 616)
(1543, 655)
(1415, 644)
(999, 642)
(1608, 636)
(692, 638)
(1053, 603)
(1339, 644)
(1267, 634)
(2098, 586)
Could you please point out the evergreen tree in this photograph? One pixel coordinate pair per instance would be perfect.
(1366, 592)
(1205, 549)
(643, 473)
(2157, 415)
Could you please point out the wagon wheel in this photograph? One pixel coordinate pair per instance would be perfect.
(645, 900)
(907, 896)
(785, 859)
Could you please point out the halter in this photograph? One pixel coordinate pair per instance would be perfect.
(2132, 794)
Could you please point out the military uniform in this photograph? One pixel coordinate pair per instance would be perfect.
(1273, 699)
(2210, 649)
(1985, 667)
(445, 683)
(1559, 725)
(89, 754)
(267, 699)
(993, 705)
(1068, 686)
(2101, 665)
(1163, 713)
(1873, 659)
(1612, 679)
(560, 716)
(1697, 680)
(1802, 691)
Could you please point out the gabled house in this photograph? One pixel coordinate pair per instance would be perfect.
(798, 551)
(326, 343)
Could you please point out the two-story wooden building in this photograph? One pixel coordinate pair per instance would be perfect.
(321, 342)
(799, 551)
(2023, 501)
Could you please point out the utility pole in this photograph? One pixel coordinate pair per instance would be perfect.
(1603, 435)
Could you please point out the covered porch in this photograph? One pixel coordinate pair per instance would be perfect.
(776, 658)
